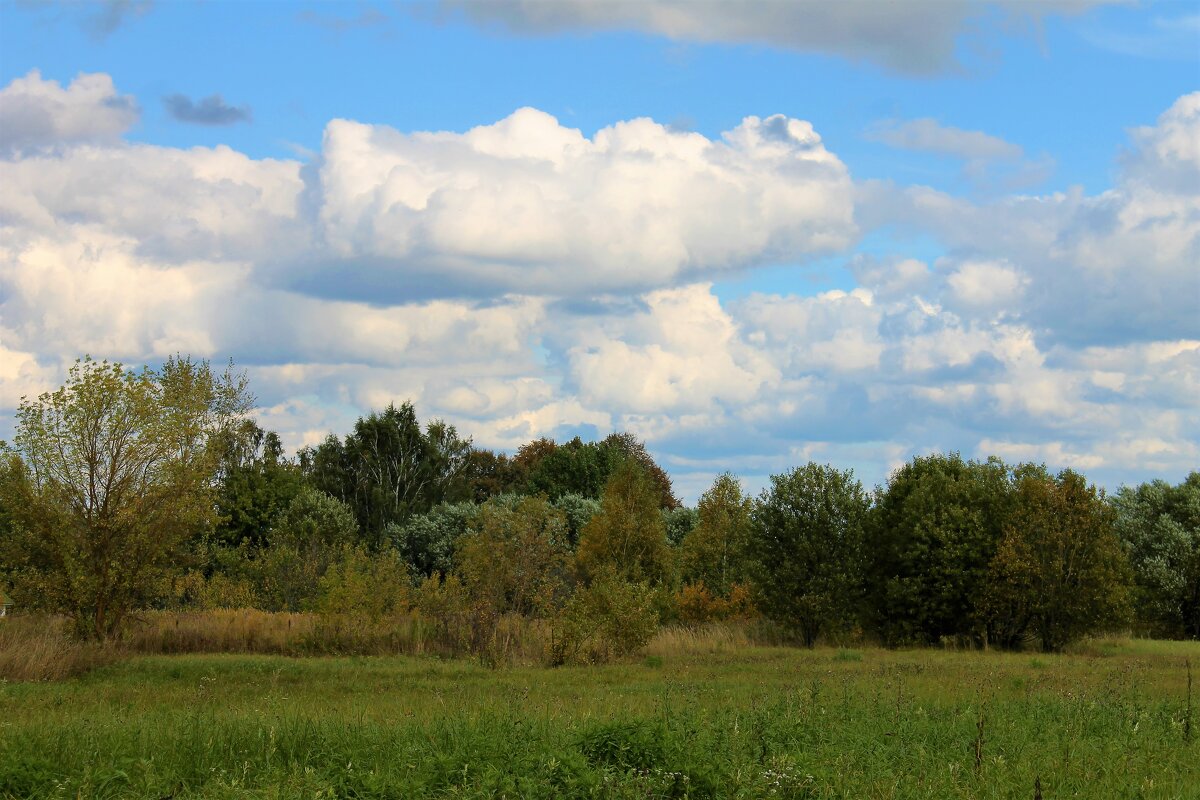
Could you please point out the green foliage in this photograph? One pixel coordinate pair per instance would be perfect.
(930, 538)
(363, 586)
(107, 478)
(806, 545)
(715, 552)
(1060, 572)
(387, 469)
(577, 467)
(679, 523)
(628, 536)
(579, 511)
(610, 618)
(487, 474)
(308, 537)
(515, 559)
(255, 484)
(584, 468)
(1159, 525)
(427, 541)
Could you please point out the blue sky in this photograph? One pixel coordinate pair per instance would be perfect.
(974, 225)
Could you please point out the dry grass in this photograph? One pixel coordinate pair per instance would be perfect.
(34, 648)
(38, 647)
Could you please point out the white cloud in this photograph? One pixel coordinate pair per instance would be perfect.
(38, 114)
(521, 279)
(527, 204)
(987, 285)
(1102, 269)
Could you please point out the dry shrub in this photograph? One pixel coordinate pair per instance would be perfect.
(38, 648)
(694, 603)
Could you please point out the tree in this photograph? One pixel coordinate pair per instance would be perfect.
(628, 536)
(106, 478)
(620, 446)
(515, 559)
(806, 542)
(715, 552)
(427, 541)
(584, 468)
(930, 538)
(387, 469)
(312, 534)
(1159, 525)
(255, 484)
(579, 511)
(1059, 571)
(577, 467)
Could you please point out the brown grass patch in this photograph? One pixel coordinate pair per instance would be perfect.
(37, 648)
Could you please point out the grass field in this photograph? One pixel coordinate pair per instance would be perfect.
(690, 720)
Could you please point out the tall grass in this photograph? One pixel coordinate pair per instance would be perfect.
(39, 649)
(761, 722)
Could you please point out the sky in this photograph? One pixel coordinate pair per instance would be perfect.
(753, 234)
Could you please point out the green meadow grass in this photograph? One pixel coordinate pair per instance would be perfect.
(1107, 721)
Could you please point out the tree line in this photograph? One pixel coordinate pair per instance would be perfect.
(133, 489)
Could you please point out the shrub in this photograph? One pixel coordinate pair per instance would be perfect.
(609, 619)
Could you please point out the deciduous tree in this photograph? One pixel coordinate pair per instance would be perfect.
(106, 478)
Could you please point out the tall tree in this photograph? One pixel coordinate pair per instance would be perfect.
(1060, 571)
(931, 536)
(628, 536)
(1159, 524)
(106, 479)
(716, 552)
(806, 541)
(388, 469)
(255, 484)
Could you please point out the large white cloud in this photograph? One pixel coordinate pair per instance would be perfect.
(527, 204)
(521, 279)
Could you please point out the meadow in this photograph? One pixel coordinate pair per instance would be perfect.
(697, 714)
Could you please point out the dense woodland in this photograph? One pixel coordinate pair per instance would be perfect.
(154, 489)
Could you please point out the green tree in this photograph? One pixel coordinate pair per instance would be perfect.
(388, 469)
(628, 536)
(107, 478)
(579, 511)
(308, 537)
(584, 468)
(1060, 571)
(932, 534)
(806, 543)
(715, 553)
(427, 541)
(255, 484)
(516, 559)
(1159, 524)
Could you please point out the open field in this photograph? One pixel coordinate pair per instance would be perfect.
(693, 719)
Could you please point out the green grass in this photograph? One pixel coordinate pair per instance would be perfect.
(1107, 721)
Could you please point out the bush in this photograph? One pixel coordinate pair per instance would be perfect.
(609, 619)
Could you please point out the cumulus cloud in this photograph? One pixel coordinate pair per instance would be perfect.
(1102, 269)
(212, 110)
(527, 204)
(37, 114)
(567, 290)
(917, 37)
